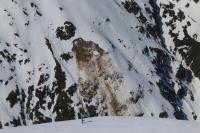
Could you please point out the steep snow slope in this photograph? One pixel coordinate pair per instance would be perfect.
(63, 59)
(112, 125)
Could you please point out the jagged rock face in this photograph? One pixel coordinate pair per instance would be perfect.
(181, 24)
(119, 57)
(97, 78)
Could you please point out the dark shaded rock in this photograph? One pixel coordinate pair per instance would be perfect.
(43, 79)
(12, 98)
(136, 96)
(194, 115)
(66, 56)
(163, 114)
(131, 6)
(16, 122)
(66, 32)
(92, 110)
(22, 107)
(184, 74)
(162, 63)
(72, 89)
(40, 118)
(59, 73)
(189, 48)
(196, 1)
(140, 114)
(8, 56)
(145, 51)
(63, 107)
(182, 93)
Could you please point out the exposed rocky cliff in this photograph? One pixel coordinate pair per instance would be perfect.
(60, 60)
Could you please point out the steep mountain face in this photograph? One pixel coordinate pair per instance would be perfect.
(63, 59)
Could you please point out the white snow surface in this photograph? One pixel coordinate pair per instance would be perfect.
(112, 125)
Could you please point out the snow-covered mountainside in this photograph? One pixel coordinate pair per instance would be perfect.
(60, 59)
(112, 125)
